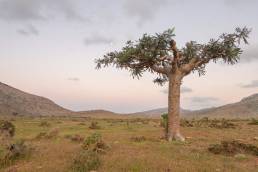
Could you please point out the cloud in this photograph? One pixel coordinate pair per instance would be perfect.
(250, 54)
(186, 90)
(239, 2)
(200, 102)
(28, 30)
(75, 79)
(34, 10)
(143, 10)
(253, 84)
(96, 39)
(183, 90)
(204, 100)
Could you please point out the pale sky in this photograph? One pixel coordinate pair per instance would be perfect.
(48, 48)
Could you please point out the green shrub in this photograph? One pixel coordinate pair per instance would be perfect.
(7, 127)
(13, 152)
(48, 135)
(164, 121)
(44, 124)
(95, 143)
(86, 161)
(94, 125)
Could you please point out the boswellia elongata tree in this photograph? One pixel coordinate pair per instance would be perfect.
(160, 55)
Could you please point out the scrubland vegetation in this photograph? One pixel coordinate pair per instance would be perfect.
(60, 144)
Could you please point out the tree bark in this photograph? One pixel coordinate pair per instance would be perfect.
(175, 80)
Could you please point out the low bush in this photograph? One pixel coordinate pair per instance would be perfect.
(221, 124)
(186, 123)
(95, 143)
(48, 135)
(44, 124)
(164, 122)
(253, 122)
(7, 127)
(41, 135)
(94, 125)
(233, 147)
(53, 133)
(86, 161)
(13, 152)
(203, 122)
(138, 139)
(76, 138)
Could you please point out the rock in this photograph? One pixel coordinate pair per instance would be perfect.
(255, 138)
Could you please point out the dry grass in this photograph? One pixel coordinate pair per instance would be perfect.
(125, 155)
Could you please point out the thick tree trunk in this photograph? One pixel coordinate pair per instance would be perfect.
(174, 107)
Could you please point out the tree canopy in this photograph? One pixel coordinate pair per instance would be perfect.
(159, 54)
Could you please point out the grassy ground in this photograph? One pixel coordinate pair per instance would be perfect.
(125, 155)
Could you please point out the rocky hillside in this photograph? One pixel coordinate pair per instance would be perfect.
(246, 108)
(16, 102)
(157, 112)
(99, 113)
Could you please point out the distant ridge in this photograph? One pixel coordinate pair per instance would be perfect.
(246, 108)
(157, 112)
(17, 102)
(100, 113)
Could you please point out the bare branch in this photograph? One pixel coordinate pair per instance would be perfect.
(175, 50)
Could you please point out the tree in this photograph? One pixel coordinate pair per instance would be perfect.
(160, 55)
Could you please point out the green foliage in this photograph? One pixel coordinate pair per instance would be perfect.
(7, 127)
(44, 124)
(95, 143)
(15, 151)
(86, 161)
(94, 125)
(164, 121)
(139, 56)
(158, 54)
(48, 135)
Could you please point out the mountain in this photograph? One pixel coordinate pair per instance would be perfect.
(99, 113)
(157, 112)
(246, 108)
(17, 102)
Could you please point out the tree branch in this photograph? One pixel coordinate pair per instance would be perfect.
(175, 50)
